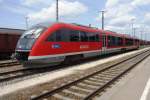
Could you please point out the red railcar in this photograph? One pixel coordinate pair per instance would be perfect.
(49, 44)
(8, 41)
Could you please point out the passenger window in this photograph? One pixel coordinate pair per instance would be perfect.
(65, 35)
(129, 42)
(58, 35)
(120, 41)
(97, 38)
(74, 36)
(61, 35)
(83, 36)
(112, 41)
(91, 37)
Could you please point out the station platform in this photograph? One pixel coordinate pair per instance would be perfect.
(133, 86)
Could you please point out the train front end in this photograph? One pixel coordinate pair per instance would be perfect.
(26, 42)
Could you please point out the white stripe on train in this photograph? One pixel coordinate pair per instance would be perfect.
(99, 52)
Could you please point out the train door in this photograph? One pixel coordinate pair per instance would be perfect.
(104, 43)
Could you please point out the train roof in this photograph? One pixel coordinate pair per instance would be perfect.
(84, 27)
(11, 31)
(78, 26)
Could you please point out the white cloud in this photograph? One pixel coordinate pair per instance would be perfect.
(120, 21)
(35, 2)
(66, 8)
(140, 2)
(147, 15)
(111, 3)
(147, 19)
(118, 15)
(120, 12)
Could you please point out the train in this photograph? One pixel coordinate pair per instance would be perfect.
(47, 43)
(8, 40)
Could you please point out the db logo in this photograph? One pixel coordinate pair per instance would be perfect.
(56, 46)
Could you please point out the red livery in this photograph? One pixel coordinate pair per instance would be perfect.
(53, 43)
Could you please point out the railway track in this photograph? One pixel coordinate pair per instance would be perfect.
(20, 73)
(8, 64)
(87, 87)
(8, 73)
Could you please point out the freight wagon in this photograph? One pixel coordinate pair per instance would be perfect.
(8, 41)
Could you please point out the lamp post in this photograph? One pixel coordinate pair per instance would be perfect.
(57, 11)
(102, 12)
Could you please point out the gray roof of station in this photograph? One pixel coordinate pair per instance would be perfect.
(11, 31)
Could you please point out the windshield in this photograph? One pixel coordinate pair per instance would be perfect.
(33, 32)
(29, 37)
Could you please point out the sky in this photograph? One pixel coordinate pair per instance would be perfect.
(120, 15)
